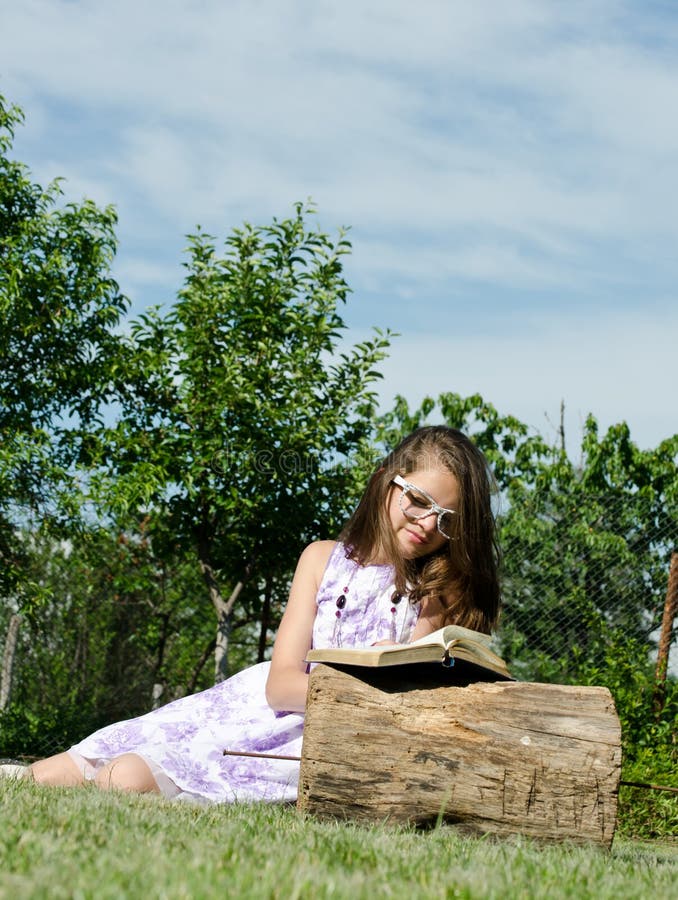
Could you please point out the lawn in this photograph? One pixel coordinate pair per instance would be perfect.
(61, 843)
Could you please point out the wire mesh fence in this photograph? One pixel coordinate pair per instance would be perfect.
(585, 576)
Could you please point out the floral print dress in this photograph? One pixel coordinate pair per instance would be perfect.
(183, 742)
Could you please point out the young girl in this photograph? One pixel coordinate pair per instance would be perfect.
(418, 553)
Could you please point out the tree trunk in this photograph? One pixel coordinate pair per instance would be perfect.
(223, 608)
(223, 633)
(670, 610)
(542, 760)
(199, 666)
(8, 659)
(265, 619)
(156, 695)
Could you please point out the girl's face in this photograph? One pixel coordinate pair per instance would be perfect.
(419, 537)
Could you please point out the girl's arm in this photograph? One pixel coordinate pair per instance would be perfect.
(287, 680)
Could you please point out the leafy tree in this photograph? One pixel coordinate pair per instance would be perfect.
(237, 409)
(58, 309)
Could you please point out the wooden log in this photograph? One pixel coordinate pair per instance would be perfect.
(542, 760)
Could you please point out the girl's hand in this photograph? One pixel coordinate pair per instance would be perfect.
(385, 644)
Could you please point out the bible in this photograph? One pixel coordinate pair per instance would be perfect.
(443, 646)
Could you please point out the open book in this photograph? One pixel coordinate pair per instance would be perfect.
(443, 646)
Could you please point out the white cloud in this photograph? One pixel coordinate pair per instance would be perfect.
(138, 272)
(445, 116)
(382, 263)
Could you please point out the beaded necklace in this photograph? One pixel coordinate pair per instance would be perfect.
(340, 604)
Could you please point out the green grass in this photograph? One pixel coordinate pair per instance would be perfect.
(79, 843)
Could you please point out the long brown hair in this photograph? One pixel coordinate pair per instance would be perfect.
(463, 574)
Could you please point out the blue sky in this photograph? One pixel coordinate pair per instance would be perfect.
(509, 172)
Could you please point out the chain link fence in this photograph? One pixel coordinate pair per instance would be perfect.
(586, 579)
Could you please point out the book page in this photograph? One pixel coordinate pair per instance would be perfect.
(452, 633)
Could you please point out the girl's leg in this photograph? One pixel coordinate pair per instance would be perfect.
(57, 770)
(128, 772)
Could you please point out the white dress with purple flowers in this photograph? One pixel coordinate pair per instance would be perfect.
(183, 742)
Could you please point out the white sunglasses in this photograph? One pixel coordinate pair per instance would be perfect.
(416, 504)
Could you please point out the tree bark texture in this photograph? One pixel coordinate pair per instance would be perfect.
(8, 659)
(223, 608)
(670, 610)
(542, 760)
(265, 619)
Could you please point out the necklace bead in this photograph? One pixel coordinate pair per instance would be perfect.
(357, 598)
